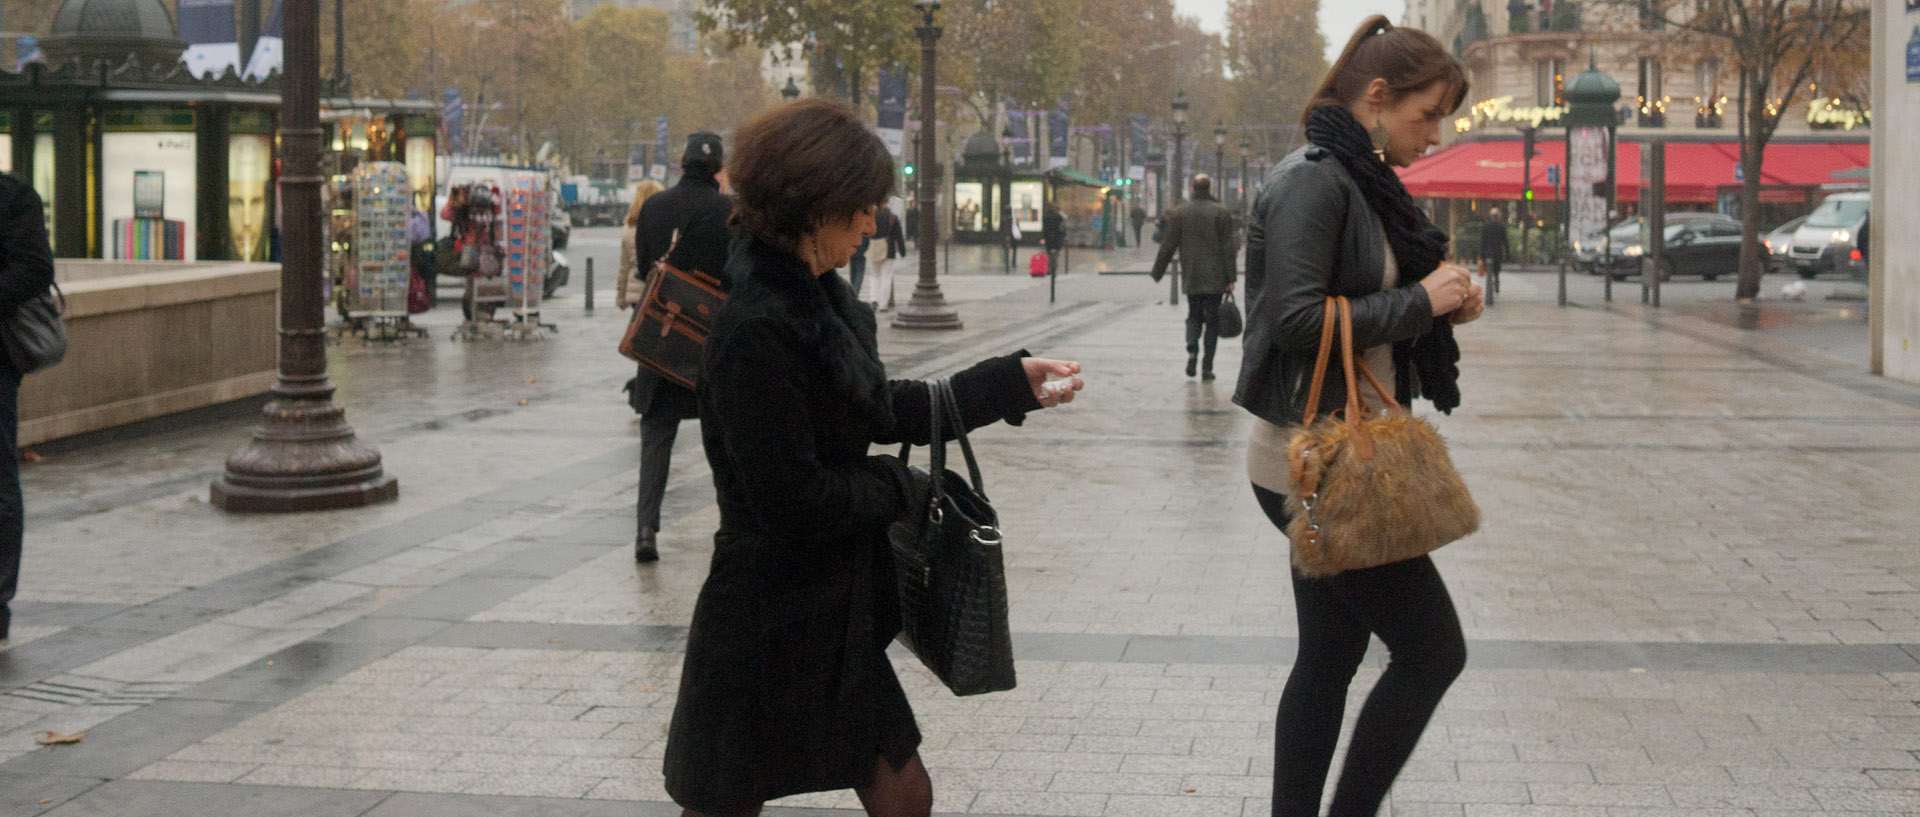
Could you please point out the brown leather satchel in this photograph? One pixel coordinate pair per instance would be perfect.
(1367, 491)
(668, 333)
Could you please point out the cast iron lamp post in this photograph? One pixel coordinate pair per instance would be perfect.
(1179, 143)
(304, 456)
(1246, 185)
(1220, 157)
(928, 308)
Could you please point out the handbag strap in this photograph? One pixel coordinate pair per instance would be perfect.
(960, 433)
(1327, 324)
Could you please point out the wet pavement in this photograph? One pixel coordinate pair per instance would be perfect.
(1694, 592)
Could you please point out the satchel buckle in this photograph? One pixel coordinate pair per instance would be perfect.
(987, 535)
(935, 514)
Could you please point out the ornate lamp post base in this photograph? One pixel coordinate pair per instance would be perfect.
(927, 309)
(304, 458)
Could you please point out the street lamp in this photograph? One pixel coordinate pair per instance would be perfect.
(791, 92)
(1179, 141)
(304, 456)
(1220, 154)
(928, 308)
(1246, 187)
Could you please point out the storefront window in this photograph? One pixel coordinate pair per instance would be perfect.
(1028, 198)
(1652, 103)
(969, 199)
(1548, 80)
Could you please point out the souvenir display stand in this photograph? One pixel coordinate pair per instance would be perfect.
(528, 239)
(485, 294)
(377, 271)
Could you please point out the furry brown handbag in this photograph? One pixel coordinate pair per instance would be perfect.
(1368, 491)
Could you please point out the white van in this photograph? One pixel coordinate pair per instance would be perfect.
(1826, 241)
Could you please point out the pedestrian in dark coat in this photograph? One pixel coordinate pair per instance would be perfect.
(786, 686)
(691, 219)
(1139, 217)
(1493, 242)
(26, 271)
(1053, 235)
(1202, 231)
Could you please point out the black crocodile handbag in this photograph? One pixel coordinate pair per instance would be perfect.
(949, 569)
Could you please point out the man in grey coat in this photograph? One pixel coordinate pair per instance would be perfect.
(1202, 231)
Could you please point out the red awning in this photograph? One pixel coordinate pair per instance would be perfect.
(1696, 171)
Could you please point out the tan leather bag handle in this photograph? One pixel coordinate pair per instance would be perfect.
(1339, 312)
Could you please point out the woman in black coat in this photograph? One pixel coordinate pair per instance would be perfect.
(786, 686)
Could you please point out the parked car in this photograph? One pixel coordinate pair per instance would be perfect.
(1778, 242)
(1825, 242)
(1588, 249)
(1707, 247)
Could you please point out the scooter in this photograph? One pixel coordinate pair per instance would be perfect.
(557, 274)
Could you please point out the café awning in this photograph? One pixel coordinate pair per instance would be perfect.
(1696, 171)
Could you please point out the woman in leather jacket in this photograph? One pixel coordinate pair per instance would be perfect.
(1333, 219)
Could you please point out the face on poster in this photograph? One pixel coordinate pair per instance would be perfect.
(1027, 198)
(420, 172)
(249, 168)
(133, 164)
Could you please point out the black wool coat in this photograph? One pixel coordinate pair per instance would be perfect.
(786, 686)
(698, 211)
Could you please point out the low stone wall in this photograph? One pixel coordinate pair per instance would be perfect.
(146, 339)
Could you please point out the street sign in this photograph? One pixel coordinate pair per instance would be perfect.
(1739, 171)
(1913, 53)
(1553, 175)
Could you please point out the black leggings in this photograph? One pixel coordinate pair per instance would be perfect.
(1406, 604)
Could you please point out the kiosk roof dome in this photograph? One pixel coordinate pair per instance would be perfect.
(112, 29)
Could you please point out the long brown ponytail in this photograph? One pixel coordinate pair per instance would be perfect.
(1410, 60)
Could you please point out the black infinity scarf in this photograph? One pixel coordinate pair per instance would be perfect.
(1418, 245)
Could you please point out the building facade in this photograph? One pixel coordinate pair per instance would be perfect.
(1674, 84)
(1894, 251)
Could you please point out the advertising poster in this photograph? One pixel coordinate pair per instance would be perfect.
(1057, 133)
(43, 149)
(1587, 165)
(1028, 198)
(968, 198)
(893, 110)
(249, 176)
(420, 168)
(1137, 148)
(147, 185)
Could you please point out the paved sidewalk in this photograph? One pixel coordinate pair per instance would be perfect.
(1694, 593)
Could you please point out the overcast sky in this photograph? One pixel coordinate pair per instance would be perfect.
(1337, 19)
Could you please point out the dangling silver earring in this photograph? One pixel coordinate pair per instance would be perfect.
(1378, 136)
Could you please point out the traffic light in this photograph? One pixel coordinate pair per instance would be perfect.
(1529, 194)
(907, 170)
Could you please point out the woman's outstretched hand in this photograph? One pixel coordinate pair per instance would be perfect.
(1053, 393)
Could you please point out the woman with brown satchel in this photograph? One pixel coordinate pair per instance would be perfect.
(1337, 249)
(786, 686)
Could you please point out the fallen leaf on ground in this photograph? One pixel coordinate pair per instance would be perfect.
(55, 738)
(533, 380)
(29, 455)
(647, 688)
(1190, 791)
(45, 800)
(523, 402)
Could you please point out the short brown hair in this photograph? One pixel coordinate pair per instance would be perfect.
(1410, 60)
(802, 165)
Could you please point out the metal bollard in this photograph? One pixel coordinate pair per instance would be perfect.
(589, 283)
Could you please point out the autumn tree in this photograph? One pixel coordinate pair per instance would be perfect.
(385, 40)
(1277, 56)
(843, 40)
(1779, 48)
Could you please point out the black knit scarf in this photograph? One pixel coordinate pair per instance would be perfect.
(1418, 246)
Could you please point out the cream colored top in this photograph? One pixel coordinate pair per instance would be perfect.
(1267, 445)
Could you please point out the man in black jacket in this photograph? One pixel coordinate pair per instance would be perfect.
(1493, 246)
(690, 220)
(1053, 235)
(26, 271)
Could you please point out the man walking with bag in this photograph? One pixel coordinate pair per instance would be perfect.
(26, 272)
(690, 220)
(1202, 231)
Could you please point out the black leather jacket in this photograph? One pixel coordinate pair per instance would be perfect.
(1313, 236)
